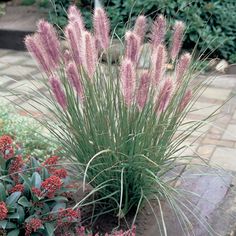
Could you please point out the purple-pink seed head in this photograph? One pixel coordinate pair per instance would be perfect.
(177, 39)
(185, 100)
(128, 76)
(132, 46)
(58, 91)
(101, 28)
(158, 31)
(143, 89)
(89, 53)
(182, 66)
(140, 27)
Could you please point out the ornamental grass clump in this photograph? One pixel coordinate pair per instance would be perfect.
(117, 123)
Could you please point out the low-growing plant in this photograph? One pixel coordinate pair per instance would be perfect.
(27, 132)
(121, 125)
(34, 197)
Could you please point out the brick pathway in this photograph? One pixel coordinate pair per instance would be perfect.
(217, 144)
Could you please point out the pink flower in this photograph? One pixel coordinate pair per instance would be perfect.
(74, 15)
(51, 185)
(58, 92)
(158, 31)
(3, 211)
(74, 43)
(164, 96)
(142, 93)
(32, 226)
(185, 100)
(132, 48)
(89, 58)
(101, 28)
(182, 66)
(50, 43)
(74, 78)
(177, 39)
(128, 81)
(33, 46)
(159, 59)
(140, 27)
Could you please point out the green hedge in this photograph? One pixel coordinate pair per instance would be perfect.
(211, 23)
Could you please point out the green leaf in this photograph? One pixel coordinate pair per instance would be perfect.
(36, 180)
(21, 213)
(57, 199)
(23, 201)
(2, 192)
(10, 225)
(3, 224)
(34, 162)
(12, 199)
(13, 216)
(14, 232)
(50, 229)
(59, 205)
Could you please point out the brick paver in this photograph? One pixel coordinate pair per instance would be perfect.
(217, 143)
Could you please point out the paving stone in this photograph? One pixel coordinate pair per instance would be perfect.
(224, 81)
(205, 151)
(230, 132)
(224, 158)
(223, 143)
(3, 52)
(13, 58)
(5, 80)
(216, 93)
(204, 109)
(18, 71)
(234, 116)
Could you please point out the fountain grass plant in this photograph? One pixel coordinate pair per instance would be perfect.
(122, 126)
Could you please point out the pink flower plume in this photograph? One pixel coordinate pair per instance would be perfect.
(177, 39)
(89, 56)
(132, 47)
(58, 91)
(140, 27)
(128, 81)
(74, 78)
(186, 99)
(182, 66)
(50, 43)
(158, 31)
(159, 60)
(101, 28)
(142, 93)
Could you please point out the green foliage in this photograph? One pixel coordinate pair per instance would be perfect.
(27, 131)
(27, 2)
(210, 24)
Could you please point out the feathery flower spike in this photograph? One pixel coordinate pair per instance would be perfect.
(142, 93)
(177, 39)
(74, 78)
(158, 31)
(58, 92)
(74, 15)
(33, 46)
(73, 43)
(132, 47)
(140, 27)
(101, 28)
(50, 43)
(164, 96)
(89, 53)
(182, 66)
(128, 81)
(185, 100)
(159, 64)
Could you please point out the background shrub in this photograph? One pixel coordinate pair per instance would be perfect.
(211, 24)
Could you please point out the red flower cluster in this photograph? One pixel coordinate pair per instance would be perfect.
(51, 161)
(32, 226)
(51, 185)
(67, 216)
(36, 191)
(6, 147)
(3, 210)
(17, 188)
(61, 173)
(16, 166)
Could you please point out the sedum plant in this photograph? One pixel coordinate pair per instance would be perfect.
(119, 124)
(34, 196)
